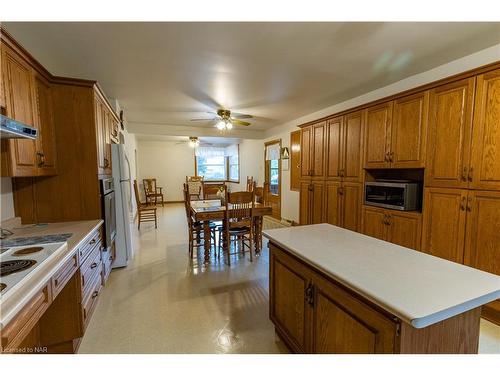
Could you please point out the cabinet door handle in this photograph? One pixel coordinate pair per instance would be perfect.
(92, 241)
(93, 265)
(462, 204)
(391, 156)
(471, 169)
(341, 191)
(95, 294)
(469, 204)
(310, 294)
(342, 173)
(464, 174)
(386, 158)
(389, 219)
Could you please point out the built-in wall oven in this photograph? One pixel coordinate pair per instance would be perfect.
(402, 195)
(108, 210)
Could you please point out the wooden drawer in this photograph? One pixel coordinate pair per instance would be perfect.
(64, 273)
(90, 299)
(85, 249)
(107, 261)
(90, 268)
(21, 325)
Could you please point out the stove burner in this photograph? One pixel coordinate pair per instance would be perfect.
(11, 266)
(28, 250)
(2, 286)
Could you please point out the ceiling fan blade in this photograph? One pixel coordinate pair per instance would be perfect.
(202, 119)
(240, 115)
(239, 122)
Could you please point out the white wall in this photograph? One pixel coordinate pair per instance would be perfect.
(166, 161)
(7, 200)
(251, 163)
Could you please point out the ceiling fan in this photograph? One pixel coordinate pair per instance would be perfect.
(224, 119)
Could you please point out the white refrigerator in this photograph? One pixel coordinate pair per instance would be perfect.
(124, 205)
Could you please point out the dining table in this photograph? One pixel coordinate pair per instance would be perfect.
(205, 211)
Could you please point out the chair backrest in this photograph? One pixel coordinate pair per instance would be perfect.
(210, 190)
(187, 205)
(194, 178)
(136, 194)
(250, 183)
(239, 207)
(149, 185)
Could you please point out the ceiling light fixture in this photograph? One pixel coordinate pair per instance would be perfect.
(224, 124)
(194, 141)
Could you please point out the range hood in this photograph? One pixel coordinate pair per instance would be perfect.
(14, 129)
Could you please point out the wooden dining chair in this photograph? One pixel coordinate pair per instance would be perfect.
(144, 211)
(152, 191)
(250, 183)
(195, 184)
(211, 190)
(195, 228)
(238, 223)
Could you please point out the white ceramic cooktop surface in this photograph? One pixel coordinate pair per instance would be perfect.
(418, 288)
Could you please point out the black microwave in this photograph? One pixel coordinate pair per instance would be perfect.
(393, 194)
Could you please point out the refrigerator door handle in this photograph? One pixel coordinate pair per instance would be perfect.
(129, 178)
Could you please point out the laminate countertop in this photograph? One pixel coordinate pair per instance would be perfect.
(418, 288)
(12, 303)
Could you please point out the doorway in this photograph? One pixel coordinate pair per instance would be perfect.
(272, 182)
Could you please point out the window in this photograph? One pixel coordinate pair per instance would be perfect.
(211, 167)
(274, 174)
(218, 163)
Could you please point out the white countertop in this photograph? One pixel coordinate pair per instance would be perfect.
(418, 288)
(31, 283)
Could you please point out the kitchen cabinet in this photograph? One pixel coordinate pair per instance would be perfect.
(443, 231)
(342, 204)
(28, 100)
(106, 133)
(484, 171)
(450, 125)
(396, 133)
(313, 151)
(398, 227)
(46, 141)
(314, 315)
(378, 121)
(311, 202)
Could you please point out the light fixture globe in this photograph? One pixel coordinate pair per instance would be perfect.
(229, 125)
(220, 125)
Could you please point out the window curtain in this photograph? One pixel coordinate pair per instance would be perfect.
(231, 150)
(273, 152)
(209, 151)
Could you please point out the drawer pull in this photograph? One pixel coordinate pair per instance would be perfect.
(92, 242)
(95, 294)
(93, 265)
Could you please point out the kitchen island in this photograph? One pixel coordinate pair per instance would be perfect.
(337, 291)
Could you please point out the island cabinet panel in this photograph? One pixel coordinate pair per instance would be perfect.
(377, 135)
(443, 232)
(342, 324)
(289, 280)
(409, 131)
(484, 172)
(450, 125)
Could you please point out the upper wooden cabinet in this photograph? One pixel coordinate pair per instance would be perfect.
(484, 171)
(313, 151)
(334, 133)
(378, 135)
(450, 125)
(106, 132)
(28, 100)
(400, 228)
(396, 133)
(409, 131)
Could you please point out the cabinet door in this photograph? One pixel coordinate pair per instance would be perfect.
(317, 200)
(46, 142)
(482, 247)
(450, 124)
(342, 324)
(351, 205)
(444, 223)
(409, 131)
(305, 203)
(288, 280)
(404, 229)
(374, 220)
(333, 207)
(334, 148)
(305, 152)
(378, 135)
(19, 96)
(352, 146)
(107, 145)
(101, 138)
(484, 172)
(318, 148)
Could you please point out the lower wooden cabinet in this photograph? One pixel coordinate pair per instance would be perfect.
(311, 202)
(401, 228)
(314, 315)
